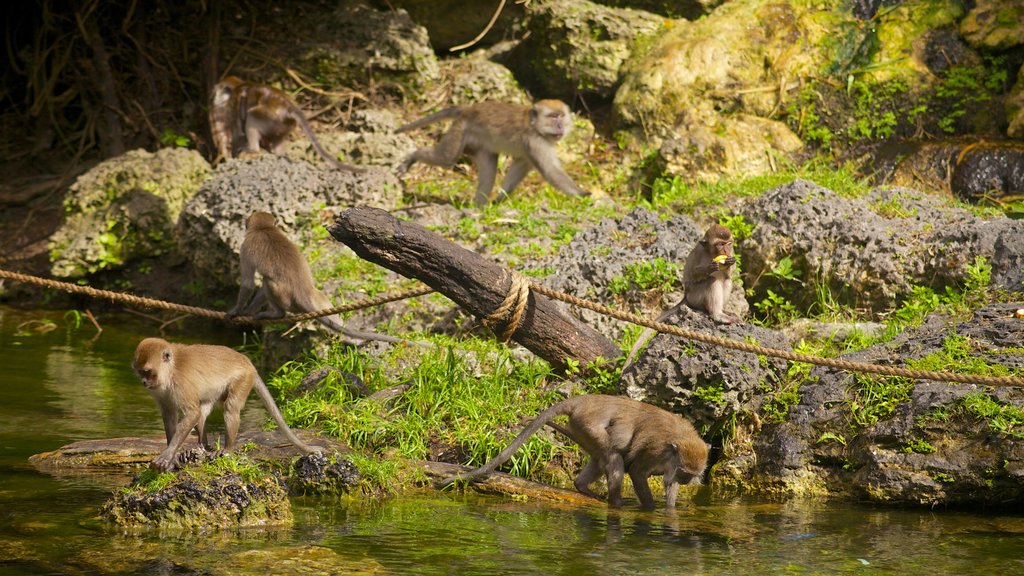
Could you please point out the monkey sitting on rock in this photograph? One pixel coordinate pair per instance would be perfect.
(526, 133)
(707, 274)
(621, 436)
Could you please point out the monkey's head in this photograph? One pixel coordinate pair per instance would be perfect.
(717, 241)
(152, 357)
(691, 458)
(260, 220)
(551, 119)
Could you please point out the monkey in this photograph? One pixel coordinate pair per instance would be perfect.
(526, 133)
(287, 280)
(621, 436)
(707, 274)
(194, 379)
(245, 117)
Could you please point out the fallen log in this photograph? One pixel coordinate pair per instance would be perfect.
(470, 280)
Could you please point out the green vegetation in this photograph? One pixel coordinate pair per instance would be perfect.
(656, 274)
(469, 399)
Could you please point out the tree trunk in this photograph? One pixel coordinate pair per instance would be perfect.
(471, 281)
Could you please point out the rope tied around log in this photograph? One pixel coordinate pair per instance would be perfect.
(515, 302)
(512, 308)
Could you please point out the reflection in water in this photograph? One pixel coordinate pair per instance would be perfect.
(58, 387)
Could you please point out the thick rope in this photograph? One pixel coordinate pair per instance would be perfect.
(215, 314)
(937, 376)
(512, 308)
(517, 300)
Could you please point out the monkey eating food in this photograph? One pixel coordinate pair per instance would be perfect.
(194, 379)
(707, 274)
(287, 280)
(621, 436)
(245, 117)
(526, 133)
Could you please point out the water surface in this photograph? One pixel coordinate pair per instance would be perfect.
(68, 384)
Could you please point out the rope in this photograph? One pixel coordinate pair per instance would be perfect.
(515, 302)
(206, 313)
(847, 365)
(512, 308)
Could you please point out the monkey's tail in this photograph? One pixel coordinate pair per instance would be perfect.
(275, 413)
(543, 418)
(301, 119)
(445, 114)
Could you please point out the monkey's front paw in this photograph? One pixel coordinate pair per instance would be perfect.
(162, 464)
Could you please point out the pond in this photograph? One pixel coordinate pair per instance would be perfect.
(60, 384)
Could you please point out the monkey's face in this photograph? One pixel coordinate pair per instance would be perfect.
(551, 118)
(150, 357)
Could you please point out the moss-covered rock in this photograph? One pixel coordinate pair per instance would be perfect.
(202, 499)
(578, 47)
(994, 24)
(124, 208)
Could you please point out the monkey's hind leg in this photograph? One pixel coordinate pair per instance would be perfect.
(444, 154)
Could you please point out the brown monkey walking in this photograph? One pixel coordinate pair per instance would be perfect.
(707, 275)
(246, 117)
(287, 280)
(527, 133)
(621, 436)
(193, 380)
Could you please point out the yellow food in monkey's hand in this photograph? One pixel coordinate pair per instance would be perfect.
(721, 258)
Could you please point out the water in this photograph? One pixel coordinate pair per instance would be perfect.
(68, 384)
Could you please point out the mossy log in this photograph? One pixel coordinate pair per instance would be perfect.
(471, 280)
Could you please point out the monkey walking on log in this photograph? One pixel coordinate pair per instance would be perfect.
(287, 280)
(621, 436)
(245, 117)
(194, 379)
(528, 134)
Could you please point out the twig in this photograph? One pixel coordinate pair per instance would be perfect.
(494, 18)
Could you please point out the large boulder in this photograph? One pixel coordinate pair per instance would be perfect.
(896, 440)
(994, 24)
(355, 44)
(710, 385)
(870, 252)
(299, 195)
(595, 265)
(124, 208)
(578, 47)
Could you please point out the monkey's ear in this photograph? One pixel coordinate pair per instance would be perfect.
(166, 356)
(673, 447)
(533, 114)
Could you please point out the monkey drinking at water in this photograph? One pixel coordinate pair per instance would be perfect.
(526, 133)
(621, 436)
(246, 117)
(287, 280)
(193, 380)
(707, 274)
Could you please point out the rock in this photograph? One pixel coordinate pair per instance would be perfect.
(708, 384)
(322, 474)
(994, 25)
(212, 225)
(125, 208)
(599, 255)
(989, 172)
(474, 79)
(455, 22)
(737, 145)
(385, 45)
(898, 441)
(869, 252)
(198, 502)
(689, 9)
(1014, 105)
(578, 47)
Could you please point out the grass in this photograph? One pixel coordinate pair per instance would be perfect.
(469, 398)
